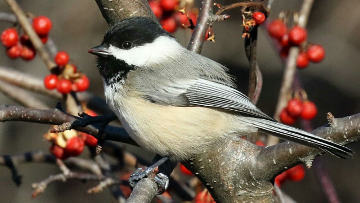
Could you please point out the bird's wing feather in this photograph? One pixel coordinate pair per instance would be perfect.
(211, 94)
(201, 92)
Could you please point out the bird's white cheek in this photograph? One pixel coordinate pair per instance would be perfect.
(150, 53)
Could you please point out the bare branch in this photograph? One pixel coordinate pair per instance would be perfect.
(21, 96)
(116, 10)
(198, 36)
(26, 81)
(255, 76)
(145, 191)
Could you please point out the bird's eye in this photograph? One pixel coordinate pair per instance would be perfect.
(126, 45)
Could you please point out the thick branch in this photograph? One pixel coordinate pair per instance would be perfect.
(276, 158)
(116, 10)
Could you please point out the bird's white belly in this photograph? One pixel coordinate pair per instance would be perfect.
(173, 131)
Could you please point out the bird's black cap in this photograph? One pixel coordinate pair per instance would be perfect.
(136, 30)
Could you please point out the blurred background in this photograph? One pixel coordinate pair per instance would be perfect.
(334, 85)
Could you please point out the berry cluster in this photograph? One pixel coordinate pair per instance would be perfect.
(297, 108)
(21, 46)
(70, 142)
(296, 173)
(68, 79)
(167, 11)
(296, 36)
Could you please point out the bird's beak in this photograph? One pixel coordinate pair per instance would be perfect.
(100, 50)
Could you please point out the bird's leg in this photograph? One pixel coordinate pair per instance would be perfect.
(99, 122)
(159, 168)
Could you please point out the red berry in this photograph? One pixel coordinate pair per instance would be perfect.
(296, 173)
(82, 84)
(50, 81)
(9, 37)
(259, 17)
(169, 24)
(302, 61)
(90, 140)
(185, 171)
(204, 197)
(259, 143)
(168, 5)
(316, 53)
(279, 179)
(294, 107)
(309, 110)
(193, 17)
(286, 118)
(27, 53)
(44, 39)
(64, 86)
(297, 35)
(284, 40)
(62, 58)
(182, 19)
(155, 7)
(74, 146)
(42, 25)
(58, 152)
(14, 51)
(277, 29)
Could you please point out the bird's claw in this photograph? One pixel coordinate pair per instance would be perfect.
(160, 179)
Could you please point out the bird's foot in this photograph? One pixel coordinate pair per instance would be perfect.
(160, 179)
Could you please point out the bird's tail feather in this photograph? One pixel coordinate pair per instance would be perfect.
(299, 136)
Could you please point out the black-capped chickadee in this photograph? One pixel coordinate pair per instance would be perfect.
(175, 102)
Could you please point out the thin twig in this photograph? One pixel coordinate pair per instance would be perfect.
(290, 68)
(259, 5)
(21, 96)
(255, 76)
(26, 81)
(34, 38)
(198, 36)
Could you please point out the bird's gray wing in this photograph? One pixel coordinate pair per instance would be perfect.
(202, 92)
(211, 94)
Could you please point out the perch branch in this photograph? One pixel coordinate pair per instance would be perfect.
(56, 117)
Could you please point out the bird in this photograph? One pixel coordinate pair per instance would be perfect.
(175, 102)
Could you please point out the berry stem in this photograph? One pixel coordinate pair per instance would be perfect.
(36, 41)
(290, 68)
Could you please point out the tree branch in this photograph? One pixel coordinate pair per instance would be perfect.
(21, 96)
(198, 36)
(56, 117)
(26, 81)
